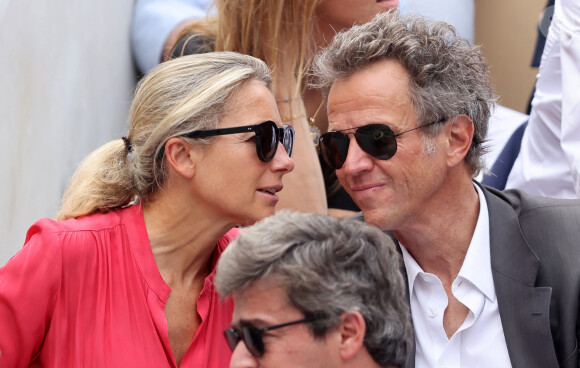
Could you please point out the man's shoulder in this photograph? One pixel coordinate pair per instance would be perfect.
(549, 226)
(524, 204)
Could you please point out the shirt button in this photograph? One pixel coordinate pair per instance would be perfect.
(433, 312)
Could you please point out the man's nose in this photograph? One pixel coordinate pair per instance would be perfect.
(356, 160)
(241, 357)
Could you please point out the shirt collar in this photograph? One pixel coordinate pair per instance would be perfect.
(411, 266)
(476, 266)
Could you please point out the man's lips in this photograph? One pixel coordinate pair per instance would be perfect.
(364, 187)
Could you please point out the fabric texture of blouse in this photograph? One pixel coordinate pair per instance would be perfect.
(87, 292)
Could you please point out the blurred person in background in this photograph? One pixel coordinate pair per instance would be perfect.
(548, 163)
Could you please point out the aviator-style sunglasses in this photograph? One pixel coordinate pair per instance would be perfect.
(378, 140)
(267, 137)
(253, 336)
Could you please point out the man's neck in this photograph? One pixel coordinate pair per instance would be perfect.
(439, 240)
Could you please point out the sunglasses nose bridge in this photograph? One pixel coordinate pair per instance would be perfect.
(356, 154)
(358, 140)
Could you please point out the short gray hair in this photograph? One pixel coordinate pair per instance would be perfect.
(448, 76)
(327, 266)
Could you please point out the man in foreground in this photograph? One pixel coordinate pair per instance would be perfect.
(315, 291)
(493, 277)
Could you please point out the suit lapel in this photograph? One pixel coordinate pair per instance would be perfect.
(524, 309)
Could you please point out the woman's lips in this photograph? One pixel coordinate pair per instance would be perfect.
(270, 191)
(388, 3)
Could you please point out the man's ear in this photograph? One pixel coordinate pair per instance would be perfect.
(180, 157)
(459, 133)
(352, 333)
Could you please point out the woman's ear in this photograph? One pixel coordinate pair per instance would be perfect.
(459, 134)
(352, 331)
(180, 156)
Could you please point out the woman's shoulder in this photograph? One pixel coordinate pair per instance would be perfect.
(79, 237)
(93, 222)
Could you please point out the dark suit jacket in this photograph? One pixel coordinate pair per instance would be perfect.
(535, 261)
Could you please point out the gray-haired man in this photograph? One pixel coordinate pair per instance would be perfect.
(494, 277)
(314, 291)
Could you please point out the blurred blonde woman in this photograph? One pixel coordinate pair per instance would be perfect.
(286, 34)
(124, 278)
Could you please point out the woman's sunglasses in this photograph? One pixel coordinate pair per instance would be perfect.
(378, 140)
(267, 137)
(253, 336)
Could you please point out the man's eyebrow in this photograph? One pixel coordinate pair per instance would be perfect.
(251, 321)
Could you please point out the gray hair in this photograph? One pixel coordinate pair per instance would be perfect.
(177, 97)
(327, 266)
(448, 76)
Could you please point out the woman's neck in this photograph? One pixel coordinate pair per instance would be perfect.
(182, 238)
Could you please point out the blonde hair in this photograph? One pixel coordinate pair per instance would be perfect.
(275, 31)
(177, 97)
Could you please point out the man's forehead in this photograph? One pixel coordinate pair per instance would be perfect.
(262, 297)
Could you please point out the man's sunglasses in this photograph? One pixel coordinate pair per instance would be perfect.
(267, 137)
(378, 140)
(253, 336)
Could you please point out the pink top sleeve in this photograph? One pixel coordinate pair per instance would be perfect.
(26, 307)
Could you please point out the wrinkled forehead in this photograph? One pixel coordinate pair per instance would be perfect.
(377, 94)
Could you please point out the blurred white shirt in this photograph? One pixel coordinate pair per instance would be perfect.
(549, 160)
(153, 21)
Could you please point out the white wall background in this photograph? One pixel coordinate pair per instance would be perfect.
(66, 80)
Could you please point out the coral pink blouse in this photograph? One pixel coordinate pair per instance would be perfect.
(86, 292)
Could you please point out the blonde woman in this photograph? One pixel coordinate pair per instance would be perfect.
(124, 278)
(286, 34)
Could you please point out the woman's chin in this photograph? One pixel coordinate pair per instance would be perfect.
(252, 219)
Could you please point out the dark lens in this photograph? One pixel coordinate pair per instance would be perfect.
(287, 133)
(267, 140)
(378, 140)
(233, 337)
(253, 340)
(334, 148)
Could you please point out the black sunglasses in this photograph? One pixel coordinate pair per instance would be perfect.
(267, 137)
(253, 336)
(378, 140)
